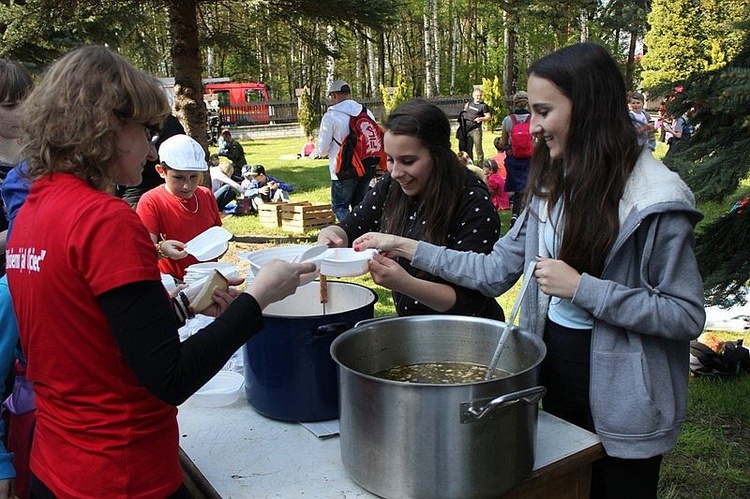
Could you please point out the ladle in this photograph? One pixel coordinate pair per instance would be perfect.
(527, 277)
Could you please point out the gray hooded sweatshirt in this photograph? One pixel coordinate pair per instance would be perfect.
(647, 305)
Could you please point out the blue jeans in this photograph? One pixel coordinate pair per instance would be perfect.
(346, 194)
(224, 195)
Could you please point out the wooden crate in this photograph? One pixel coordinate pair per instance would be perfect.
(303, 217)
(269, 214)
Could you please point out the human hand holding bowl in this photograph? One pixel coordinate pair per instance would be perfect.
(387, 244)
(278, 279)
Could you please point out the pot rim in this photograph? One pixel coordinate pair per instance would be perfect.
(451, 318)
(371, 303)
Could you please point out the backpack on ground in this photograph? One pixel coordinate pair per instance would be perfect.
(733, 359)
(521, 141)
(361, 153)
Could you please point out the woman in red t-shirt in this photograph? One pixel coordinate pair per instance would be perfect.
(95, 322)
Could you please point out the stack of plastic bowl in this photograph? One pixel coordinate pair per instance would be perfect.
(199, 271)
(223, 389)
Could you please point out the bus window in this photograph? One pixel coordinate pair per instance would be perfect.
(223, 97)
(253, 96)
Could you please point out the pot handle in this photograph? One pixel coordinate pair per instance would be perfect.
(330, 329)
(474, 411)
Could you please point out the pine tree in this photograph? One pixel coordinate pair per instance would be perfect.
(713, 165)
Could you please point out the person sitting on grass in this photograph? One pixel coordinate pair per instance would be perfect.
(225, 189)
(230, 148)
(308, 149)
(264, 188)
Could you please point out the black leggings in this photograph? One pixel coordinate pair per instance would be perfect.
(566, 372)
(41, 491)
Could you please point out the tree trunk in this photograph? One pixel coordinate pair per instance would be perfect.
(454, 46)
(330, 61)
(630, 67)
(372, 62)
(509, 83)
(381, 58)
(428, 58)
(435, 45)
(186, 61)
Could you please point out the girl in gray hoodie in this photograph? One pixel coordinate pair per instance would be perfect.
(616, 295)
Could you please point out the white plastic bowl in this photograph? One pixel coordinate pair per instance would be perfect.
(286, 253)
(209, 244)
(336, 262)
(345, 262)
(223, 389)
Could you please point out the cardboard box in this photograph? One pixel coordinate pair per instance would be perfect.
(303, 217)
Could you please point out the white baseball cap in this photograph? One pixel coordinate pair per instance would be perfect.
(337, 86)
(181, 152)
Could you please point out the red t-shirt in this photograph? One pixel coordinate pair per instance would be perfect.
(99, 431)
(171, 217)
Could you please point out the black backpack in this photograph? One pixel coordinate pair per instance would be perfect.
(735, 359)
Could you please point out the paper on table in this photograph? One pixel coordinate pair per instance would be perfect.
(323, 429)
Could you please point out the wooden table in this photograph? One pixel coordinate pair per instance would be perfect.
(234, 452)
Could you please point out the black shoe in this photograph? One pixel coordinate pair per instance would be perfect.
(512, 221)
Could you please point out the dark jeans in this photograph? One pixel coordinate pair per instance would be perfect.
(40, 491)
(566, 372)
(346, 194)
(224, 195)
(516, 204)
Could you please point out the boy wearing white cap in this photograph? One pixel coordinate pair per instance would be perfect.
(181, 208)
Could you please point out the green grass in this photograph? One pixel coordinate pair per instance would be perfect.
(712, 457)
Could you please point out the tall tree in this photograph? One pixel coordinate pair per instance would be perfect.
(183, 28)
(713, 166)
(689, 37)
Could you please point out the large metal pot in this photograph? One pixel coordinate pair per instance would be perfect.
(289, 373)
(437, 441)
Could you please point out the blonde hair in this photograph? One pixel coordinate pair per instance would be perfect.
(464, 158)
(72, 118)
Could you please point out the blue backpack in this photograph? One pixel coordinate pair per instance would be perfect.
(687, 129)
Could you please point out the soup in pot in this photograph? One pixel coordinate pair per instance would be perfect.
(439, 373)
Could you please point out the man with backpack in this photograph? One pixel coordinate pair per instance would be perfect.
(353, 142)
(681, 131)
(518, 143)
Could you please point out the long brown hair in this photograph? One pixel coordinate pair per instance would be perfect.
(601, 152)
(438, 201)
(72, 117)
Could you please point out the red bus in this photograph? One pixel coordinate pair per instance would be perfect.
(241, 103)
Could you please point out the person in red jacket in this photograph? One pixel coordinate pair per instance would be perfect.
(496, 184)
